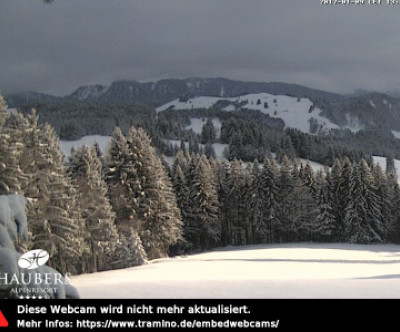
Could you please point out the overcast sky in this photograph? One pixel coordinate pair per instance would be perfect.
(59, 47)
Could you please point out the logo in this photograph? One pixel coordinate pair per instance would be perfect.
(3, 320)
(33, 259)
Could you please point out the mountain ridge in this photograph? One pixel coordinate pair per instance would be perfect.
(368, 111)
(163, 91)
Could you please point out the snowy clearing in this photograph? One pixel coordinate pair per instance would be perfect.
(381, 161)
(89, 140)
(300, 270)
(196, 124)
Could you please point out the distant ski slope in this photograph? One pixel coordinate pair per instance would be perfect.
(295, 112)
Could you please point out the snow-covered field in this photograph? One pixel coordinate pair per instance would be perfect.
(300, 270)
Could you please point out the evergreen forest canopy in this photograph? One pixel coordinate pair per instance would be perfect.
(96, 211)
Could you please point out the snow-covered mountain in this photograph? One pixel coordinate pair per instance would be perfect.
(368, 111)
(296, 112)
(90, 92)
(163, 91)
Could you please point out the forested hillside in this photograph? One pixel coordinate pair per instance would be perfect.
(97, 211)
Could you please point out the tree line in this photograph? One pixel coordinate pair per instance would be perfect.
(236, 203)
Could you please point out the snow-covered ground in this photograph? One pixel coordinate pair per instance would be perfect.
(103, 142)
(300, 270)
(295, 112)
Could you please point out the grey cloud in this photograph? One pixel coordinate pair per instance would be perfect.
(56, 48)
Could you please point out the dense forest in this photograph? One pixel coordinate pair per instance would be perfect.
(250, 134)
(97, 211)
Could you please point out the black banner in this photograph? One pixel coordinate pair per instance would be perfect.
(287, 315)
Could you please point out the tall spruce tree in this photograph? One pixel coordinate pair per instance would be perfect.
(269, 194)
(384, 196)
(124, 191)
(334, 195)
(208, 134)
(303, 210)
(157, 205)
(99, 231)
(258, 231)
(285, 191)
(54, 214)
(224, 173)
(236, 201)
(182, 193)
(325, 218)
(206, 227)
(362, 219)
(344, 196)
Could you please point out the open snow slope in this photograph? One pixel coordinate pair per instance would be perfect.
(295, 112)
(300, 270)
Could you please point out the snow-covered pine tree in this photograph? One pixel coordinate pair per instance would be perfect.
(208, 134)
(269, 195)
(236, 201)
(344, 197)
(157, 206)
(325, 219)
(194, 147)
(54, 215)
(224, 202)
(209, 150)
(10, 171)
(334, 196)
(205, 227)
(303, 209)
(182, 193)
(286, 149)
(214, 163)
(99, 232)
(123, 191)
(362, 218)
(258, 231)
(390, 166)
(383, 195)
(285, 191)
